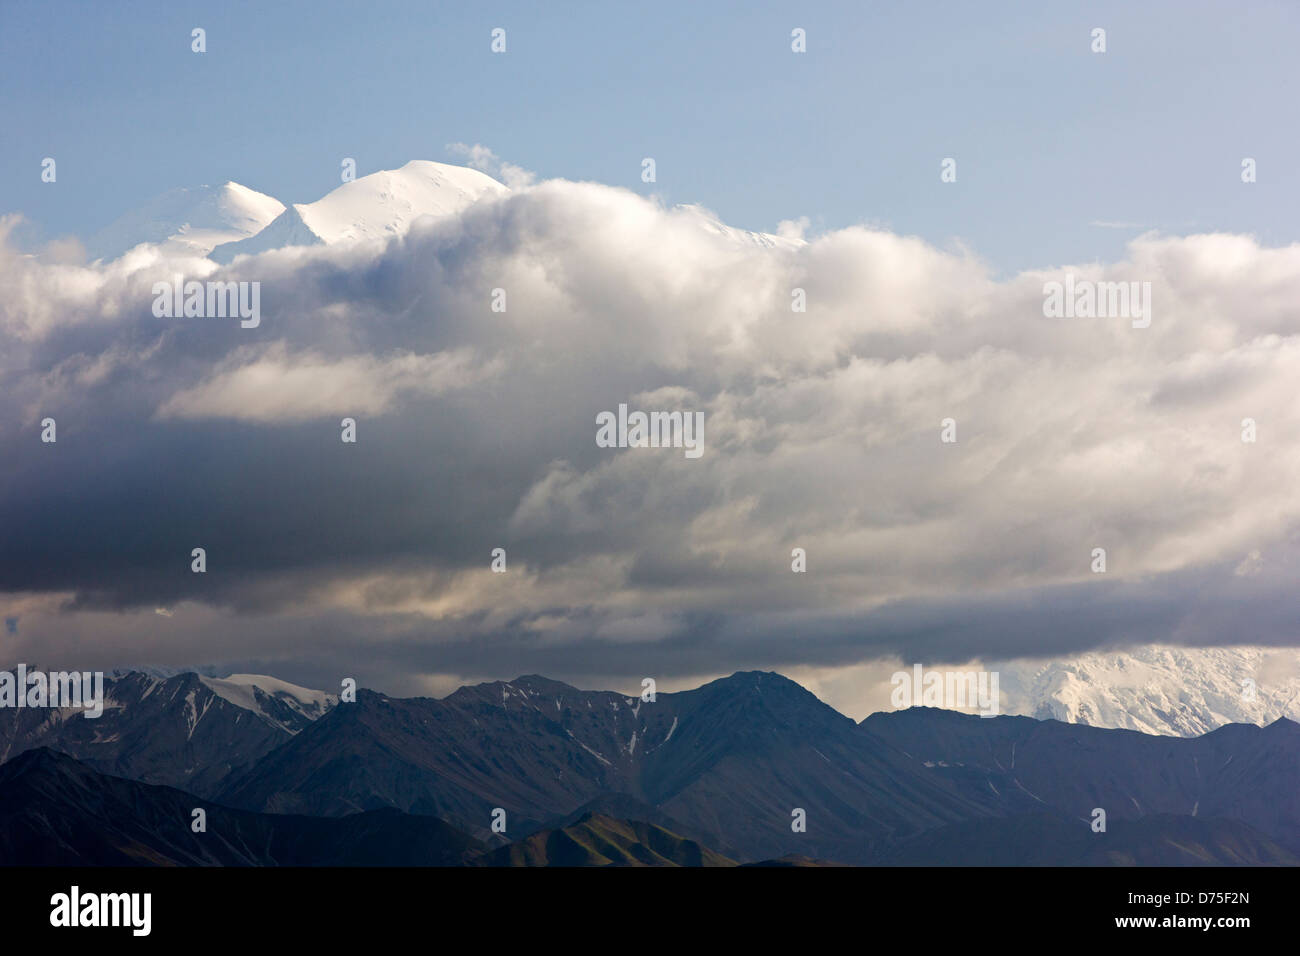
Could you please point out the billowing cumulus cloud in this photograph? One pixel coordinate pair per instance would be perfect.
(476, 430)
(269, 385)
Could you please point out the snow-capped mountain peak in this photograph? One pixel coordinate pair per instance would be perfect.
(1158, 689)
(188, 221)
(222, 222)
(254, 692)
(376, 206)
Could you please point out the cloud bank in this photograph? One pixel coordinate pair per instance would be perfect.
(476, 430)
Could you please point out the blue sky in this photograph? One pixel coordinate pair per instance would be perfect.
(1048, 136)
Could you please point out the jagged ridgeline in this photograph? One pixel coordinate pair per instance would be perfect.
(711, 776)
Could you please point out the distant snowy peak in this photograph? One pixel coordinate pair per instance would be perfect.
(1177, 691)
(188, 221)
(386, 203)
(269, 698)
(287, 229)
(377, 206)
(222, 222)
(764, 240)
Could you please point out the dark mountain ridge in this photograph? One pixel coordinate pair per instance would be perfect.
(1237, 772)
(731, 760)
(56, 811)
(169, 730)
(730, 766)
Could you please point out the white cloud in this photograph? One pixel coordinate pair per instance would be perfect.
(270, 385)
(485, 161)
(822, 427)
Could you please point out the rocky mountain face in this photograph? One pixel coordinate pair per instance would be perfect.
(1157, 689)
(732, 760)
(750, 768)
(184, 731)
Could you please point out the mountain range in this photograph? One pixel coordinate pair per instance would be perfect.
(184, 730)
(378, 206)
(1157, 689)
(223, 222)
(708, 776)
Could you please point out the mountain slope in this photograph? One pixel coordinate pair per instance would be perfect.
(185, 730)
(752, 748)
(622, 806)
(55, 811)
(1240, 772)
(376, 206)
(599, 840)
(1158, 689)
(188, 221)
(1050, 839)
(731, 761)
(744, 237)
(457, 758)
(280, 703)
